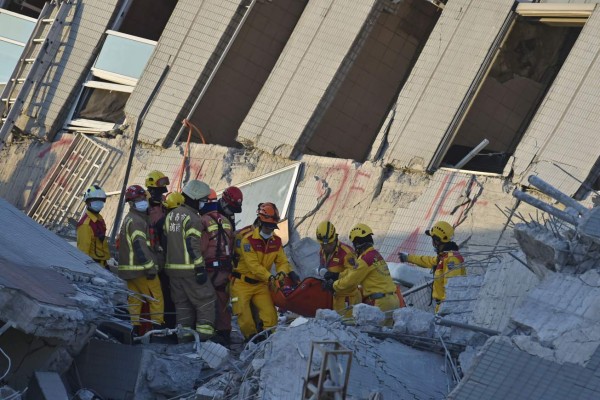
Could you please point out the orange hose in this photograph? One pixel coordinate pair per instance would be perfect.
(187, 149)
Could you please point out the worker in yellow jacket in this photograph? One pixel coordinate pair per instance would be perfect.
(259, 248)
(91, 228)
(137, 263)
(337, 259)
(371, 272)
(447, 264)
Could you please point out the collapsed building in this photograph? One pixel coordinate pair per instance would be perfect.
(395, 113)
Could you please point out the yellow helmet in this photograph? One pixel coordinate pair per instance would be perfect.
(360, 231)
(156, 179)
(174, 200)
(326, 232)
(442, 230)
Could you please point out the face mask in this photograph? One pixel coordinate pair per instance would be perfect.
(141, 206)
(266, 235)
(96, 206)
(201, 205)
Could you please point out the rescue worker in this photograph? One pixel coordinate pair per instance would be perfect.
(137, 263)
(172, 201)
(371, 272)
(191, 291)
(230, 203)
(259, 249)
(156, 184)
(91, 228)
(338, 259)
(217, 248)
(447, 264)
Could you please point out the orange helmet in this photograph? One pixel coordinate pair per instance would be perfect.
(212, 197)
(268, 214)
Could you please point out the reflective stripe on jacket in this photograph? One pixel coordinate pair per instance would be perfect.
(342, 261)
(217, 238)
(135, 256)
(447, 265)
(371, 272)
(91, 236)
(258, 255)
(184, 248)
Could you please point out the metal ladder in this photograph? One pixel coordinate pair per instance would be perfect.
(38, 54)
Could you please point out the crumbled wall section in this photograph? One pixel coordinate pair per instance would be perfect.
(441, 77)
(191, 38)
(564, 129)
(86, 24)
(322, 39)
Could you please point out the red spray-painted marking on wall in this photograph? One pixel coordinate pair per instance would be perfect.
(436, 210)
(349, 183)
(52, 148)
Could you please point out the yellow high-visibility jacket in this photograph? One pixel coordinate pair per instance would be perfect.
(446, 265)
(342, 261)
(372, 273)
(91, 237)
(258, 255)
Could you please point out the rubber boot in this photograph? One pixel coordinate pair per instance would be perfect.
(223, 338)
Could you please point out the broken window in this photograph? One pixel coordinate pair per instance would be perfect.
(114, 75)
(518, 77)
(15, 30)
(349, 125)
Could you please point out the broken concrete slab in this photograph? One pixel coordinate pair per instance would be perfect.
(408, 275)
(412, 321)
(395, 370)
(365, 314)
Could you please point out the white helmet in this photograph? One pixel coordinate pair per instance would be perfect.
(94, 192)
(196, 190)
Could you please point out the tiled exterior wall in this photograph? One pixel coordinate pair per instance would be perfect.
(245, 70)
(87, 22)
(350, 123)
(307, 66)
(564, 130)
(196, 34)
(441, 77)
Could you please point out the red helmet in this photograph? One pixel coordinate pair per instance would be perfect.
(135, 192)
(268, 214)
(233, 197)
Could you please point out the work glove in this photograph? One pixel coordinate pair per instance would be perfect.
(111, 262)
(403, 257)
(331, 275)
(294, 277)
(328, 285)
(201, 276)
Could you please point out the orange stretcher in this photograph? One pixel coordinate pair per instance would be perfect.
(304, 299)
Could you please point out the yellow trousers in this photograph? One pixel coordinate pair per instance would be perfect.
(242, 295)
(342, 303)
(149, 288)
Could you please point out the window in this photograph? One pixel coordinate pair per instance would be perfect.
(113, 77)
(519, 74)
(15, 30)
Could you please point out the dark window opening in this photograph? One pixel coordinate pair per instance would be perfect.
(245, 70)
(147, 18)
(351, 122)
(511, 93)
(30, 8)
(103, 105)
